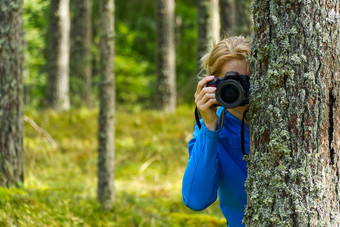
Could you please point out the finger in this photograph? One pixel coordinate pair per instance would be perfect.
(205, 91)
(201, 100)
(204, 107)
(206, 98)
(203, 82)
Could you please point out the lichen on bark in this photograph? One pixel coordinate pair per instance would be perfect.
(293, 166)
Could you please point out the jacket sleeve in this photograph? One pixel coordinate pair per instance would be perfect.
(200, 181)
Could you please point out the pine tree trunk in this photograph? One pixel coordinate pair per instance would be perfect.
(294, 162)
(11, 94)
(58, 55)
(166, 62)
(243, 22)
(106, 132)
(81, 36)
(208, 26)
(227, 17)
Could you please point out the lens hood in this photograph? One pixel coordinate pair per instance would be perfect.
(230, 94)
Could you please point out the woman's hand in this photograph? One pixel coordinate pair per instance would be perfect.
(204, 99)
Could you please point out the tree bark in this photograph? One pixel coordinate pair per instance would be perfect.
(81, 36)
(208, 21)
(106, 132)
(11, 94)
(166, 62)
(293, 166)
(58, 55)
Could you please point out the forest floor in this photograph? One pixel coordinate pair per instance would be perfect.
(61, 172)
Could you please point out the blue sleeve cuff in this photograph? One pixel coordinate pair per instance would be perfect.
(210, 134)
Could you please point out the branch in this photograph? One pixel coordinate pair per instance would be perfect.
(41, 131)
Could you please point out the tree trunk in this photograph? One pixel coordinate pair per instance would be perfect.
(106, 131)
(11, 94)
(227, 17)
(293, 166)
(58, 55)
(208, 26)
(244, 23)
(166, 62)
(81, 36)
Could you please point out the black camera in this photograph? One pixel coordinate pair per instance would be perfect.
(231, 90)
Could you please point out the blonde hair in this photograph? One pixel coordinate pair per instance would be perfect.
(236, 47)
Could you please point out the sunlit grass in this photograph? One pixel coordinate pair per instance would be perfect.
(60, 181)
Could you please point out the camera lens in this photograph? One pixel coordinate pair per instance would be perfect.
(229, 93)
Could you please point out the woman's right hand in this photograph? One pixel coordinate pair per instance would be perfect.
(204, 99)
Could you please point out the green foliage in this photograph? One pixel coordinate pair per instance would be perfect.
(186, 47)
(134, 74)
(140, 18)
(135, 50)
(35, 27)
(136, 38)
(135, 46)
(60, 182)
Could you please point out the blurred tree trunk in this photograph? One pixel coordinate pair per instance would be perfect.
(208, 26)
(227, 17)
(243, 17)
(11, 94)
(166, 62)
(81, 36)
(106, 131)
(58, 55)
(294, 163)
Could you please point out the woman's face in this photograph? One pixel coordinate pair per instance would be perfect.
(235, 65)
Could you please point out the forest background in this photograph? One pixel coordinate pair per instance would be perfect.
(135, 50)
(151, 147)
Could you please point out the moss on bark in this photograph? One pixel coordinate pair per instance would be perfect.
(293, 166)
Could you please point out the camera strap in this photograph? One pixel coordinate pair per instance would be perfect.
(197, 117)
(221, 122)
(220, 119)
(242, 132)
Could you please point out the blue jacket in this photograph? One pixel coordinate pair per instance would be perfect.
(216, 166)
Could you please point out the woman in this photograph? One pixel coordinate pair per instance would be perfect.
(216, 162)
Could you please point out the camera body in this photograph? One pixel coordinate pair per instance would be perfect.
(231, 90)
